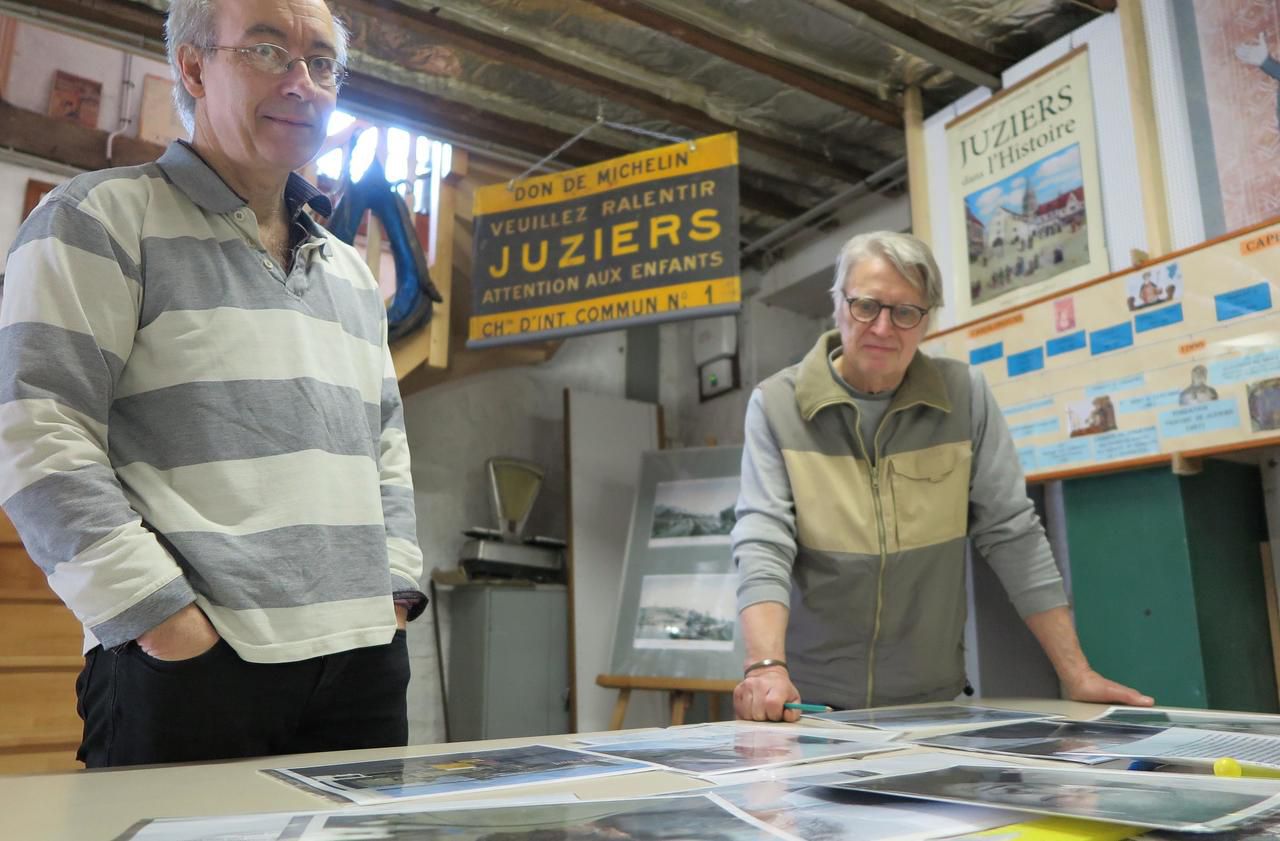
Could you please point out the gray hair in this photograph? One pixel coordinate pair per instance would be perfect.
(907, 254)
(195, 22)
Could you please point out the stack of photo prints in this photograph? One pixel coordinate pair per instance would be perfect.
(944, 771)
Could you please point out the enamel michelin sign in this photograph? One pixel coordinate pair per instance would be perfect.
(644, 238)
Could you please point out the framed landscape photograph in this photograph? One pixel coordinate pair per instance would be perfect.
(677, 613)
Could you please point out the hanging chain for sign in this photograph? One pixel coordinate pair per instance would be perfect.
(600, 121)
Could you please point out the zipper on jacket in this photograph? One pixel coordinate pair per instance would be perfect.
(875, 634)
(873, 468)
(884, 547)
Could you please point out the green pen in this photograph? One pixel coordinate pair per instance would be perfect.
(807, 708)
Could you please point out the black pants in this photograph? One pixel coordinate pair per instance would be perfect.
(140, 710)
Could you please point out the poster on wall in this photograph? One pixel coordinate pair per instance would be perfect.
(1176, 356)
(75, 98)
(1024, 187)
(1230, 51)
(641, 239)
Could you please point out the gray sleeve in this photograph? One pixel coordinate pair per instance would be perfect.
(764, 537)
(1003, 524)
(68, 316)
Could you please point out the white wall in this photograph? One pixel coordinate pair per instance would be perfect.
(38, 53)
(452, 429)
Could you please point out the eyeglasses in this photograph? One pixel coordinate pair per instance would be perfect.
(903, 316)
(325, 71)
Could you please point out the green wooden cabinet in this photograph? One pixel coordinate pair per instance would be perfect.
(1167, 583)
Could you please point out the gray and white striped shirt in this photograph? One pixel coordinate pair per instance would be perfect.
(182, 420)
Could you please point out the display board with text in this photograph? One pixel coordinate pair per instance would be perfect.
(1181, 355)
(645, 238)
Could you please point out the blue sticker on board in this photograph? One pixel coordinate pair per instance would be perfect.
(1134, 443)
(1111, 338)
(1025, 362)
(1213, 416)
(1238, 302)
(1142, 322)
(1067, 452)
(1237, 369)
(1034, 405)
(1040, 427)
(1066, 344)
(1112, 386)
(1147, 402)
(986, 353)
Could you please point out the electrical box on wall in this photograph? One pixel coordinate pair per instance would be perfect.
(714, 338)
(715, 352)
(717, 377)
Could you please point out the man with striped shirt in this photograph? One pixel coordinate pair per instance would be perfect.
(200, 428)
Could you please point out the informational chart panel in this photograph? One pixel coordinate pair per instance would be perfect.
(1178, 356)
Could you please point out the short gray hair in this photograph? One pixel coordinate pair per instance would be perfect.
(907, 254)
(195, 22)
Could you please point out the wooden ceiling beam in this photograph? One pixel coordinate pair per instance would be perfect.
(68, 142)
(917, 30)
(824, 87)
(432, 26)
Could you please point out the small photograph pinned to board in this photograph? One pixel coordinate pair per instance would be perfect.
(690, 612)
(693, 512)
(1154, 286)
(1264, 404)
(1092, 416)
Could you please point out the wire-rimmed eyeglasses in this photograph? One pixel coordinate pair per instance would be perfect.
(326, 71)
(867, 310)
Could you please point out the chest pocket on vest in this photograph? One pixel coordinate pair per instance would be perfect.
(930, 491)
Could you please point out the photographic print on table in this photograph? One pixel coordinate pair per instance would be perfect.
(384, 780)
(693, 512)
(1258, 724)
(741, 749)
(818, 813)
(1186, 802)
(1074, 741)
(919, 718)
(1151, 287)
(694, 612)
(641, 819)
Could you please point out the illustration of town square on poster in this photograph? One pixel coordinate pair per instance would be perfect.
(1178, 356)
(1023, 184)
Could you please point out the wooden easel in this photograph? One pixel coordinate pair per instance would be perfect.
(681, 690)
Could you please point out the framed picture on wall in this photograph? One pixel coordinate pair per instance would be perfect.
(1231, 80)
(677, 613)
(158, 120)
(75, 98)
(36, 190)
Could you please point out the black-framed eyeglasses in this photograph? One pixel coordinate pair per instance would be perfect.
(867, 310)
(326, 71)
